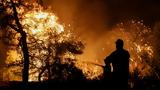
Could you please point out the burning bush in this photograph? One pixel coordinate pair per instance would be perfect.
(46, 39)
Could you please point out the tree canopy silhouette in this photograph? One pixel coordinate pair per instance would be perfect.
(40, 49)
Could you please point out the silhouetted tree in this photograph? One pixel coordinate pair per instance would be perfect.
(57, 68)
(66, 72)
(43, 54)
(6, 21)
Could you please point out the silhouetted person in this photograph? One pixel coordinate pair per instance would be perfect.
(120, 62)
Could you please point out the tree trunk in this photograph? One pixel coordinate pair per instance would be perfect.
(23, 42)
(26, 58)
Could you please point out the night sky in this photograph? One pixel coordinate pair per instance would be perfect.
(147, 10)
(112, 11)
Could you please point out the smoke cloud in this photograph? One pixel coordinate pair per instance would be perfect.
(88, 20)
(93, 21)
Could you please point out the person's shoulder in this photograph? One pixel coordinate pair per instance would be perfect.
(125, 51)
(114, 52)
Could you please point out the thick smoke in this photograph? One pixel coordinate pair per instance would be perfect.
(94, 21)
(88, 19)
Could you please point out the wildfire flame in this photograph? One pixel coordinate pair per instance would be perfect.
(90, 70)
(137, 38)
(39, 24)
(33, 23)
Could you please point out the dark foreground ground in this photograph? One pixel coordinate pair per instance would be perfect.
(96, 85)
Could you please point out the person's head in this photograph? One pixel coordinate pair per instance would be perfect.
(119, 44)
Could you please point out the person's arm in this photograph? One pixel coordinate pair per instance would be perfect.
(108, 59)
(107, 68)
